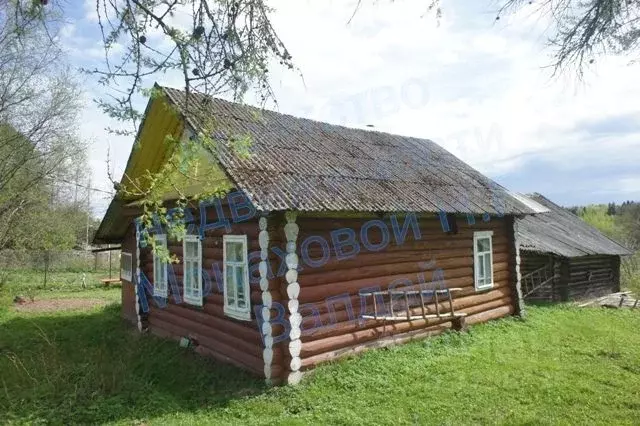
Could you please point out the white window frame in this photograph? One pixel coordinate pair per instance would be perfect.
(230, 310)
(190, 298)
(479, 257)
(160, 287)
(126, 259)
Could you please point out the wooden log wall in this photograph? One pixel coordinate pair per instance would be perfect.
(576, 278)
(593, 276)
(331, 329)
(214, 334)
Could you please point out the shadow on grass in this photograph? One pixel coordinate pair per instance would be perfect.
(94, 368)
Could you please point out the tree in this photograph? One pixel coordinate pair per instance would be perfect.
(38, 115)
(585, 29)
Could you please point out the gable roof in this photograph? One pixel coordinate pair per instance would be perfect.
(311, 166)
(563, 233)
(305, 165)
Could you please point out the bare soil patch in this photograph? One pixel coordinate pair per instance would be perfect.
(50, 305)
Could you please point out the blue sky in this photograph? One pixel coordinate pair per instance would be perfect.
(477, 86)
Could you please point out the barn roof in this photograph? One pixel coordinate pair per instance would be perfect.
(307, 165)
(563, 233)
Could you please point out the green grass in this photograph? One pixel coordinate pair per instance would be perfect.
(29, 283)
(562, 365)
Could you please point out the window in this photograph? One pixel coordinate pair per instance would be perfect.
(126, 268)
(160, 268)
(236, 277)
(483, 259)
(192, 262)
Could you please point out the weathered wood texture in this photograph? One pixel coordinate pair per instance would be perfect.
(593, 276)
(576, 278)
(533, 261)
(330, 303)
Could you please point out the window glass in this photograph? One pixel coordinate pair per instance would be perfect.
(236, 289)
(482, 260)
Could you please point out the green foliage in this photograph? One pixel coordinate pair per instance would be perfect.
(563, 365)
(39, 149)
(597, 215)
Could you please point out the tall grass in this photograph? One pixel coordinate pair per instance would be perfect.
(562, 365)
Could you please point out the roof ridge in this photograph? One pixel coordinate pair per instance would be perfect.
(246, 105)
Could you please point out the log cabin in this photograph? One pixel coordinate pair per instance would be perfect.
(564, 258)
(331, 241)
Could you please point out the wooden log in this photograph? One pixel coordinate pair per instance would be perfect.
(341, 340)
(276, 370)
(310, 294)
(226, 353)
(332, 355)
(247, 331)
(426, 225)
(346, 323)
(492, 314)
(192, 322)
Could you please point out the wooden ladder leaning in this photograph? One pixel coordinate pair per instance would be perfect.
(537, 279)
(427, 297)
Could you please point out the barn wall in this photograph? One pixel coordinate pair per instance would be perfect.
(128, 289)
(329, 297)
(593, 276)
(575, 278)
(226, 339)
(532, 261)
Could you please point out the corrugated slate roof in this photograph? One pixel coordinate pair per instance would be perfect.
(563, 233)
(306, 165)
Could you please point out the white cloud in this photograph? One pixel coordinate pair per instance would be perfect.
(476, 86)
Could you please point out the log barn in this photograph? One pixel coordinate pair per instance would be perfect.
(332, 240)
(564, 258)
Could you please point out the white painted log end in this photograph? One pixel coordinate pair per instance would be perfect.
(292, 261)
(295, 346)
(264, 284)
(290, 216)
(267, 330)
(291, 276)
(291, 231)
(267, 372)
(267, 355)
(268, 341)
(295, 320)
(295, 333)
(293, 306)
(293, 290)
(266, 313)
(267, 300)
(263, 239)
(294, 378)
(262, 268)
(295, 363)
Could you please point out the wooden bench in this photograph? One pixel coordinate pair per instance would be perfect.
(108, 281)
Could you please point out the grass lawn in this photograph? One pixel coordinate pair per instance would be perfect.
(562, 365)
(60, 285)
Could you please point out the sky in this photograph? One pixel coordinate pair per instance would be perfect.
(480, 88)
